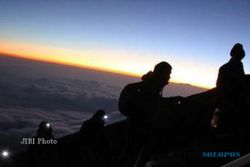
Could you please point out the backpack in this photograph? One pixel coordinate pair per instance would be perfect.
(128, 100)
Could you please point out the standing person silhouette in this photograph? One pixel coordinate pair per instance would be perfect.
(139, 102)
(230, 86)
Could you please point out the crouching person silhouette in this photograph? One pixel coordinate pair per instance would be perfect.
(93, 139)
(39, 153)
(139, 102)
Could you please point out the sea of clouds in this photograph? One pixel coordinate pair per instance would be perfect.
(31, 92)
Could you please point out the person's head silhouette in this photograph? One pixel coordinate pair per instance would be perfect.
(44, 130)
(98, 117)
(160, 76)
(162, 72)
(237, 52)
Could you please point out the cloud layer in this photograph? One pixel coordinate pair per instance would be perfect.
(31, 92)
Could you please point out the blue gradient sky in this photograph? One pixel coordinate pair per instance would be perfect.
(194, 36)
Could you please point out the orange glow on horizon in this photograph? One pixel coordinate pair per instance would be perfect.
(107, 61)
(93, 68)
(71, 64)
(60, 56)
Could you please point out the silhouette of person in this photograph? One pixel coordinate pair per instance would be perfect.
(95, 123)
(139, 102)
(230, 86)
(39, 153)
(92, 138)
(44, 130)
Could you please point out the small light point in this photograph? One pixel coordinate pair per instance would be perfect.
(5, 154)
(105, 117)
(47, 125)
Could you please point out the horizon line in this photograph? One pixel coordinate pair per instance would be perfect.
(95, 68)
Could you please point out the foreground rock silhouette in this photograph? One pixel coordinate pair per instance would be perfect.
(184, 133)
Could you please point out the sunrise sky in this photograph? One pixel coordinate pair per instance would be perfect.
(129, 36)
